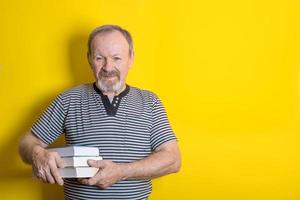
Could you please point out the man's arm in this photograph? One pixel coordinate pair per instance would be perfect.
(27, 144)
(44, 163)
(164, 160)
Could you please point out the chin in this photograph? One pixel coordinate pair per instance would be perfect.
(109, 86)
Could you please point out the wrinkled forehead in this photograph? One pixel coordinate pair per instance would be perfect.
(110, 43)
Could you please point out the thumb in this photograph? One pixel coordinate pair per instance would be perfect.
(96, 163)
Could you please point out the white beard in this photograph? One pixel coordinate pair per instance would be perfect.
(108, 87)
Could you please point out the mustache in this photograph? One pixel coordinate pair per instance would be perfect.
(105, 73)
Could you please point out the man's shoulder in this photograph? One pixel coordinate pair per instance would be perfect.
(78, 90)
(143, 93)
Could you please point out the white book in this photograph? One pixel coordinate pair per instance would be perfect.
(78, 172)
(79, 161)
(68, 151)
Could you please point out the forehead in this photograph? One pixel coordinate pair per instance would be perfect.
(110, 42)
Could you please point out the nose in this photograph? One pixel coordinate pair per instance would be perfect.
(108, 65)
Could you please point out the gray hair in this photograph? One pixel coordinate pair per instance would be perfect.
(107, 29)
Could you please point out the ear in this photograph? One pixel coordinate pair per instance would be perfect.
(89, 59)
(131, 59)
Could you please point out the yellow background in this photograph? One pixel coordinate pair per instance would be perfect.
(227, 72)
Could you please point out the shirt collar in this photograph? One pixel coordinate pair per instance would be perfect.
(122, 94)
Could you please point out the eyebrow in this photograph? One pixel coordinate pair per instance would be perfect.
(99, 54)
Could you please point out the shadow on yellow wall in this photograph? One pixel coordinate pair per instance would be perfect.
(80, 71)
(11, 169)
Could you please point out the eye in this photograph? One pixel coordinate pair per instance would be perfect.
(98, 58)
(117, 58)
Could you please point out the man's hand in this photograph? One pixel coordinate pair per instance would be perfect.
(164, 160)
(45, 165)
(108, 174)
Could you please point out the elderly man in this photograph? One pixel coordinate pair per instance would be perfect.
(127, 124)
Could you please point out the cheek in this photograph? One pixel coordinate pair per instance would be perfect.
(96, 70)
(124, 71)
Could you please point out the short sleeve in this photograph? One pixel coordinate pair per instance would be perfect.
(50, 125)
(161, 130)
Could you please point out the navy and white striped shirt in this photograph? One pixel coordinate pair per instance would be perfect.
(125, 130)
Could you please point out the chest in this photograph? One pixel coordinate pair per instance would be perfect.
(123, 137)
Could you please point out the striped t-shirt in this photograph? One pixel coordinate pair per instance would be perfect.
(125, 130)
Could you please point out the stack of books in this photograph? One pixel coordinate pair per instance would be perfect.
(75, 161)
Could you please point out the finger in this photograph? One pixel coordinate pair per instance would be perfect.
(55, 173)
(39, 173)
(49, 177)
(90, 181)
(59, 161)
(96, 163)
(43, 179)
(84, 181)
(95, 179)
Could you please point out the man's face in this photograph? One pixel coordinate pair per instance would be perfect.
(110, 61)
